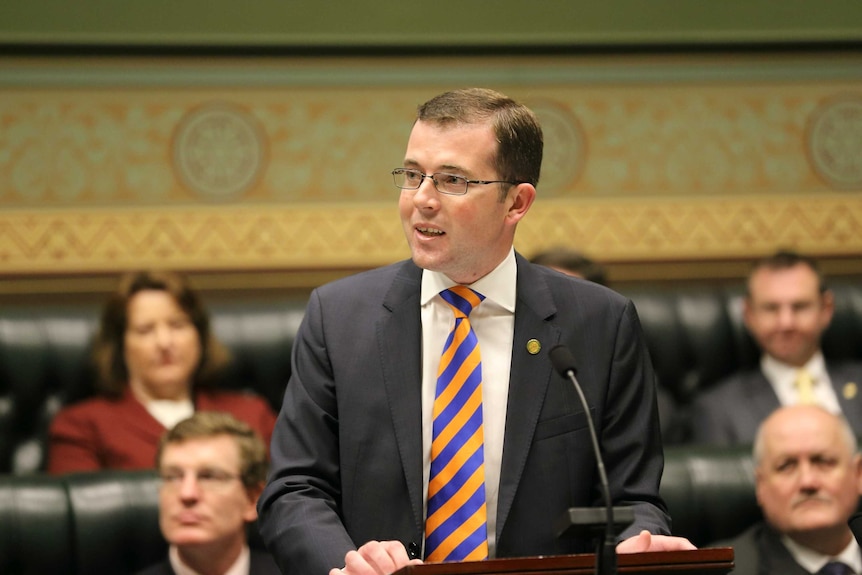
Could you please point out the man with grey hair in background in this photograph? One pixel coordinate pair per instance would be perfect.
(808, 477)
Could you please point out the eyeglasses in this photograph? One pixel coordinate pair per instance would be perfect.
(208, 479)
(451, 184)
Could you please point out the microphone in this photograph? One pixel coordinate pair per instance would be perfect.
(855, 524)
(579, 518)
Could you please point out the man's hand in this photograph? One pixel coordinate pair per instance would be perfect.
(376, 558)
(646, 541)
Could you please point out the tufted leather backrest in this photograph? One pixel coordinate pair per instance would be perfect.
(44, 363)
(107, 522)
(35, 526)
(115, 521)
(695, 335)
(709, 491)
(83, 523)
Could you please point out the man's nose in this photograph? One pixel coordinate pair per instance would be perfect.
(786, 317)
(426, 193)
(190, 488)
(809, 477)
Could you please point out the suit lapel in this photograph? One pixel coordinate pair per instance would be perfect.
(846, 384)
(761, 401)
(399, 337)
(528, 381)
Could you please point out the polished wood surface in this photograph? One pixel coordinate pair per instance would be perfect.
(717, 561)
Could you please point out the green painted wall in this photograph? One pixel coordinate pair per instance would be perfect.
(438, 23)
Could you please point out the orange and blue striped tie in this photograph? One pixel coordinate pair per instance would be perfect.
(456, 524)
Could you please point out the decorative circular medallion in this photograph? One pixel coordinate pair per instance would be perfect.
(218, 150)
(835, 142)
(565, 148)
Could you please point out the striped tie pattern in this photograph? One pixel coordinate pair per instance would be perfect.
(456, 524)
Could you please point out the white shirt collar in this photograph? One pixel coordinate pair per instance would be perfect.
(776, 370)
(813, 561)
(242, 565)
(499, 286)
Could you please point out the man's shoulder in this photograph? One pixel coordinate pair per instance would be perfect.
(748, 547)
(746, 539)
(163, 568)
(844, 369)
(732, 385)
(541, 281)
(262, 563)
(404, 270)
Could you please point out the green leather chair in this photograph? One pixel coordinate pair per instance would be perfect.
(35, 526)
(709, 492)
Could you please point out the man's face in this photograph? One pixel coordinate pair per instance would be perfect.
(808, 481)
(786, 313)
(202, 500)
(464, 237)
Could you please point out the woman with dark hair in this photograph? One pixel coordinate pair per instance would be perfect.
(157, 362)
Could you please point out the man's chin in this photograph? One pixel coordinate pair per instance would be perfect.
(190, 537)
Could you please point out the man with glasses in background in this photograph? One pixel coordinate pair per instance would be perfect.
(213, 468)
(423, 417)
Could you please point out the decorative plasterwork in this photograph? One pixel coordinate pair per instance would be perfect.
(327, 236)
(265, 165)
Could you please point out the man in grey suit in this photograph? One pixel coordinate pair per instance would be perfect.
(787, 308)
(808, 478)
(352, 451)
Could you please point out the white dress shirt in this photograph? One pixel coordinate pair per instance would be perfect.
(241, 566)
(782, 377)
(494, 323)
(813, 561)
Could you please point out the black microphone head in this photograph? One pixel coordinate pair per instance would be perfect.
(855, 524)
(562, 360)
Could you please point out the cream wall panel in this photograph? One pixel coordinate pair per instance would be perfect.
(283, 163)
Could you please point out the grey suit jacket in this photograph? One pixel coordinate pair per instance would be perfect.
(730, 412)
(347, 448)
(759, 551)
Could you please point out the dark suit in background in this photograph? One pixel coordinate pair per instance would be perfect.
(261, 564)
(759, 551)
(730, 412)
(347, 454)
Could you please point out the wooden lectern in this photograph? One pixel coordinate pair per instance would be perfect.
(716, 561)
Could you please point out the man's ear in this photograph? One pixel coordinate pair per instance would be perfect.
(758, 484)
(857, 468)
(521, 198)
(827, 302)
(252, 494)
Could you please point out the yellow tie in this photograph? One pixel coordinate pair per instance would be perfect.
(805, 387)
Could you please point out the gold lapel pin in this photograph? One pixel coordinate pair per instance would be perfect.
(534, 347)
(850, 389)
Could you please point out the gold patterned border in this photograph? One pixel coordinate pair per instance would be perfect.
(212, 238)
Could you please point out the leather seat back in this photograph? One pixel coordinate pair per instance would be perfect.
(115, 521)
(709, 491)
(35, 526)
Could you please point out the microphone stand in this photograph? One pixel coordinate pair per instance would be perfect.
(589, 519)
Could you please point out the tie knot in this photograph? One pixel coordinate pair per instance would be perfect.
(461, 299)
(835, 568)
